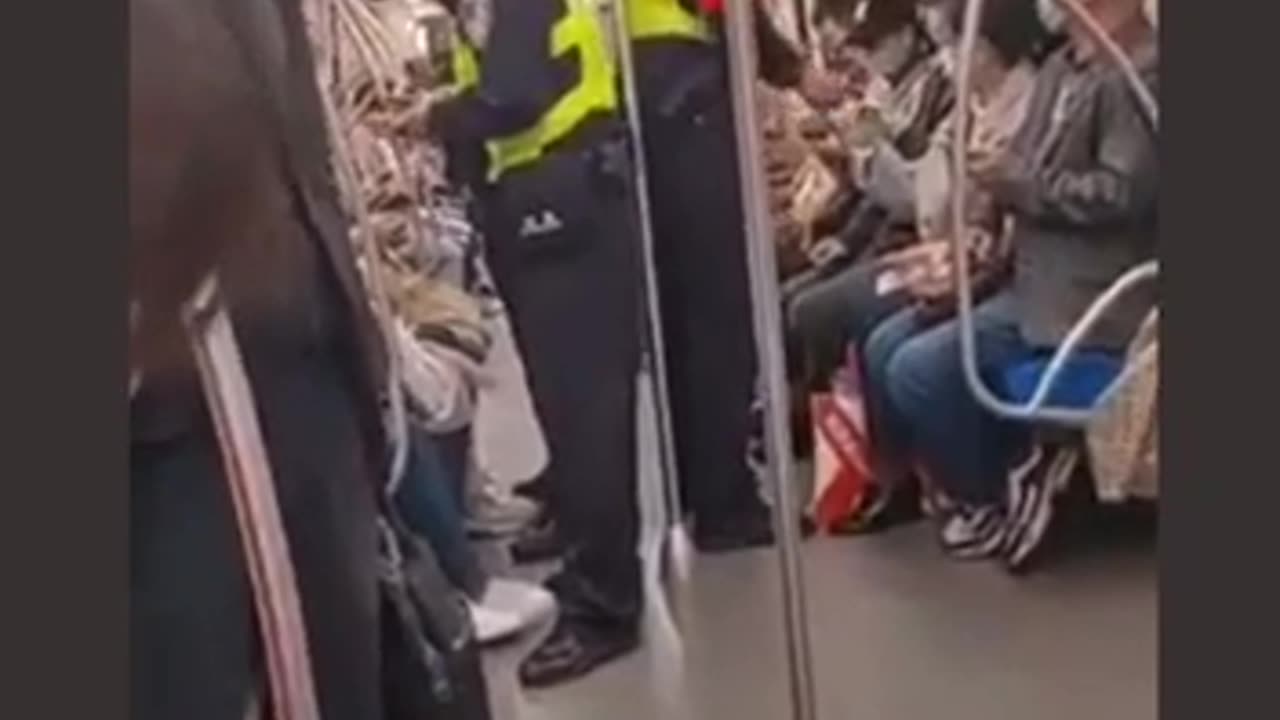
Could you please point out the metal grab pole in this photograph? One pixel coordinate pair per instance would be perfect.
(263, 539)
(1080, 332)
(669, 516)
(740, 29)
(656, 347)
(1034, 409)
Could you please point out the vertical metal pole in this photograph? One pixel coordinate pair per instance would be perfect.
(656, 345)
(273, 578)
(670, 533)
(740, 29)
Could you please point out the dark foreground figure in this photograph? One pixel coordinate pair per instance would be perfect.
(228, 170)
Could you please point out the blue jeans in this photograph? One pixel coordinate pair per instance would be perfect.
(428, 501)
(921, 408)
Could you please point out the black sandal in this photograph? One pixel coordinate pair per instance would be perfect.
(883, 509)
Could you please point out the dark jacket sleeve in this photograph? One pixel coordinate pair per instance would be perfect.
(1118, 189)
(461, 125)
(939, 98)
(516, 82)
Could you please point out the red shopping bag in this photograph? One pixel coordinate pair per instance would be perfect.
(842, 450)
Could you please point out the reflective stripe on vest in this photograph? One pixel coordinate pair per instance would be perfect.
(649, 19)
(579, 30)
(466, 66)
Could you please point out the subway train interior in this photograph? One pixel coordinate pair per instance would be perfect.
(731, 360)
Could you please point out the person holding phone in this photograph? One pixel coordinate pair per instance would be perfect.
(1011, 42)
(1076, 188)
(905, 97)
(700, 254)
(540, 130)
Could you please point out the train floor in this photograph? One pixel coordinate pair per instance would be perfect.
(899, 633)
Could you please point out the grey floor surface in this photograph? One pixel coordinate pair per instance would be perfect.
(900, 633)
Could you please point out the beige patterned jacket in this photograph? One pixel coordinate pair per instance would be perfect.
(1123, 440)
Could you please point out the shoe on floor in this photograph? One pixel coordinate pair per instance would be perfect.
(971, 533)
(493, 626)
(1019, 477)
(530, 602)
(882, 510)
(510, 608)
(1030, 521)
(536, 544)
(574, 650)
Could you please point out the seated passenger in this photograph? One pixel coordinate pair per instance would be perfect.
(905, 60)
(1079, 182)
(428, 499)
(1010, 44)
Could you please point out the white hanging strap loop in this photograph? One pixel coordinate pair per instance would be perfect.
(740, 28)
(1036, 409)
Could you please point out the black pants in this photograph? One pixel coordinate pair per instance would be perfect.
(702, 269)
(826, 316)
(191, 618)
(564, 253)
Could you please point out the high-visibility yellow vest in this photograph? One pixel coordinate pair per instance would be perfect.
(649, 19)
(579, 30)
(466, 64)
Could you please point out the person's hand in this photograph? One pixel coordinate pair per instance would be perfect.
(832, 153)
(409, 121)
(989, 167)
(930, 275)
(906, 258)
(476, 374)
(932, 285)
(822, 89)
(414, 120)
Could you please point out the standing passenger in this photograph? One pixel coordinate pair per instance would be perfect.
(698, 223)
(561, 242)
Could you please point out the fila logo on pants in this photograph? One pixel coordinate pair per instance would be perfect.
(543, 223)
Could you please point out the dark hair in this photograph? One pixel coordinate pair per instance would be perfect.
(1012, 27)
(878, 18)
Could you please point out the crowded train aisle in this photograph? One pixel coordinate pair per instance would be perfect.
(613, 359)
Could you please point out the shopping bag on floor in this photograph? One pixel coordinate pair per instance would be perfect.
(842, 450)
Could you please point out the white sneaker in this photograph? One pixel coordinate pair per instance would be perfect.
(493, 625)
(509, 608)
(972, 533)
(1020, 475)
(530, 603)
(1031, 523)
